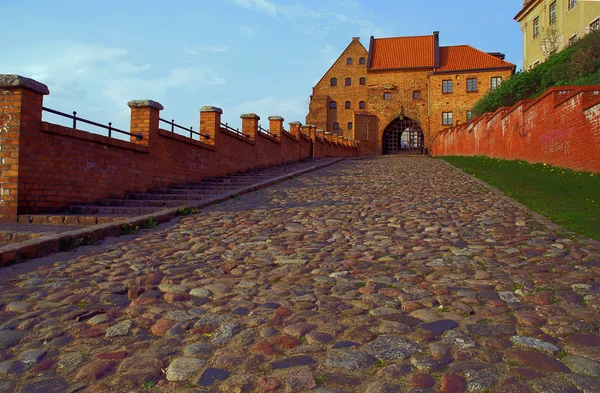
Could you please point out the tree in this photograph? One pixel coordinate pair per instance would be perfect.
(550, 44)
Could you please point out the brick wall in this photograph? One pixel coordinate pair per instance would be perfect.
(561, 127)
(320, 113)
(46, 167)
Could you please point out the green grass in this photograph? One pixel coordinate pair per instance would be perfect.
(570, 199)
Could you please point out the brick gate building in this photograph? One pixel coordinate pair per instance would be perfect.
(394, 97)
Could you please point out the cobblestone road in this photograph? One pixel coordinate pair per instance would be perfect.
(379, 276)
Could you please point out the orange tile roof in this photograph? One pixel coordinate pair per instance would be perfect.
(465, 57)
(402, 52)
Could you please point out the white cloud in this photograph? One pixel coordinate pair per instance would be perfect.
(195, 51)
(124, 89)
(275, 10)
(266, 6)
(292, 108)
(249, 31)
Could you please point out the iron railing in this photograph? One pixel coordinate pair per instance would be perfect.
(108, 127)
(190, 130)
(234, 130)
(260, 129)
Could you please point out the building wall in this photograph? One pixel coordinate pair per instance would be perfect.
(460, 100)
(323, 93)
(568, 23)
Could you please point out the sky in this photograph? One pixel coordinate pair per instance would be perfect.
(260, 56)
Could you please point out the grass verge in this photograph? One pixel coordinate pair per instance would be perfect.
(569, 198)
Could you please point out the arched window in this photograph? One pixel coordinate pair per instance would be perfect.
(348, 81)
(333, 81)
(387, 96)
(336, 126)
(361, 105)
(349, 61)
(347, 105)
(361, 60)
(332, 105)
(363, 81)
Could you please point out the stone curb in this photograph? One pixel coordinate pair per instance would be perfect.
(43, 246)
(539, 217)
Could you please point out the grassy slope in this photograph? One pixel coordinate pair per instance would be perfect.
(570, 199)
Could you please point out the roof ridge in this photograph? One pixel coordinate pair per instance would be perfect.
(404, 36)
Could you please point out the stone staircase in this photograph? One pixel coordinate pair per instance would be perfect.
(142, 203)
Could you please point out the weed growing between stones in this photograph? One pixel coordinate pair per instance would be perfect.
(186, 211)
(128, 229)
(150, 223)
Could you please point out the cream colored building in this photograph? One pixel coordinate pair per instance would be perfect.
(554, 24)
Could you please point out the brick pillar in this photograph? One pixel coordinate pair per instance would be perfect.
(320, 133)
(144, 121)
(210, 123)
(250, 124)
(295, 128)
(305, 129)
(275, 125)
(329, 136)
(20, 122)
(312, 132)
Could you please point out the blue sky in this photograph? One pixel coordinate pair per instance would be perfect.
(261, 56)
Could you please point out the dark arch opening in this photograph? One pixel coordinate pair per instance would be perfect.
(403, 136)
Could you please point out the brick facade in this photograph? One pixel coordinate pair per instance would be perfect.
(45, 167)
(561, 127)
(415, 91)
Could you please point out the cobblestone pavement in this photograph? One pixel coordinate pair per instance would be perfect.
(379, 276)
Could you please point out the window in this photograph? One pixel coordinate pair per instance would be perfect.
(336, 126)
(536, 27)
(387, 96)
(572, 4)
(347, 105)
(446, 118)
(595, 25)
(332, 105)
(573, 40)
(348, 81)
(417, 95)
(361, 60)
(361, 105)
(447, 86)
(469, 115)
(362, 81)
(349, 61)
(495, 82)
(471, 84)
(350, 125)
(333, 81)
(552, 13)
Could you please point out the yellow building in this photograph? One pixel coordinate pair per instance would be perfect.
(550, 25)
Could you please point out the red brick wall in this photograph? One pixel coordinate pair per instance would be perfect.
(561, 127)
(47, 167)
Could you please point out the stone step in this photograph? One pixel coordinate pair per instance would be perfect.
(187, 196)
(139, 203)
(110, 210)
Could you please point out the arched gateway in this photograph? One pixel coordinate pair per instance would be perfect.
(402, 135)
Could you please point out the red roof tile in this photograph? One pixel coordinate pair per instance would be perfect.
(402, 52)
(465, 57)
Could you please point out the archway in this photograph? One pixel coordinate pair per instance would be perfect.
(402, 136)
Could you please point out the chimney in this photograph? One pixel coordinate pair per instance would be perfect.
(499, 55)
(436, 49)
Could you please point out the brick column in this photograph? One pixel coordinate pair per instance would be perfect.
(275, 125)
(144, 121)
(305, 129)
(210, 123)
(295, 128)
(250, 124)
(20, 122)
(312, 133)
(320, 133)
(329, 136)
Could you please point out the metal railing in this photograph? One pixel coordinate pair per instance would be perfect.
(234, 130)
(110, 128)
(260, 129)
(190, 130)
